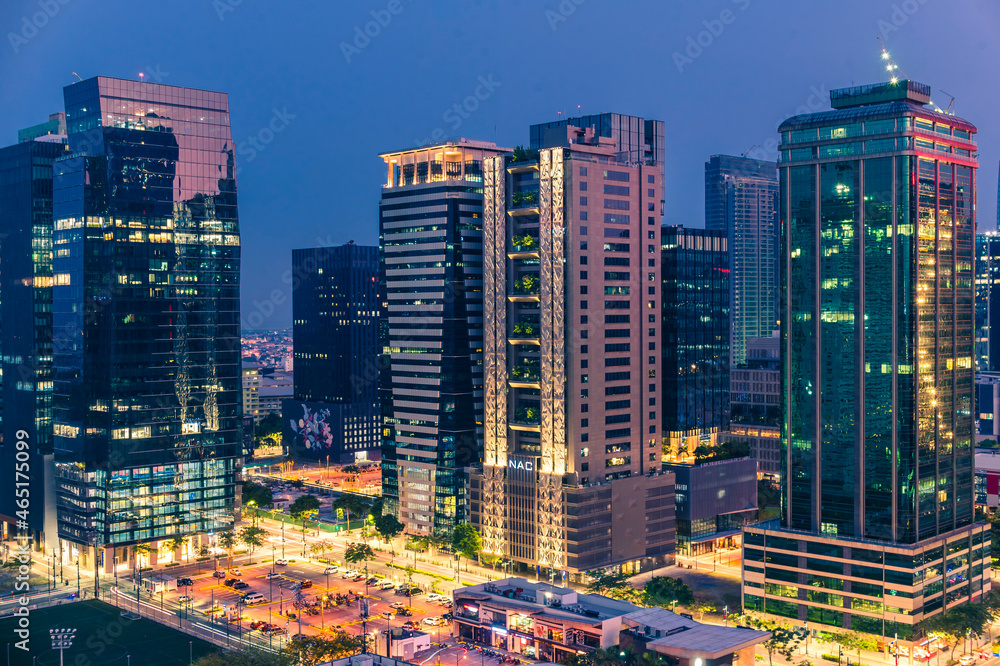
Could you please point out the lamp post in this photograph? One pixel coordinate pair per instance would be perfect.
(78, 575)
(62, 640)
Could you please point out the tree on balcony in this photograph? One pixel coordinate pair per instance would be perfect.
(525, 329)
(527, 284)
(522, 154)
(526, 415)
(525, 242)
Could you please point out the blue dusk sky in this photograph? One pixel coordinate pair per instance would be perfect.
(722, 74)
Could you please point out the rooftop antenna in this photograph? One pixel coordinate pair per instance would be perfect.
(77, 77)
(890, 64)
(749, 150)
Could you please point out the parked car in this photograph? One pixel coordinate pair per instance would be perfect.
(409, 624)
(447, 603)
(388, 615)
(274, 574)
(281, 562)
(448, 617)
(433, 621)
(254, 598)
(404, 612)
(184, 599)
(231, 581)
(349, 574)
(386, 585)
(331, 570)
(235, 572)
(219, 574)
(184, 582)
(306, 584)
(240, 585)
(397, 604)
(373, 580)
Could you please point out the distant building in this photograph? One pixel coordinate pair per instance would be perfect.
(53, 130)
(987, 486)
(987, 407)
(276, 385)
(988, 302)
(695, 337)
(401, 643)
(714, 501)
(755, 402)
(549, 623)
(741, 200)
(251, 390)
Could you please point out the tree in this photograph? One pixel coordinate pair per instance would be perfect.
(351, 504)
(303, 506)
(962, 621)
(784, 640)
(612, 584)
(705, 608)
(358, 553)
(768, 499)
(140, 549)
(259, 494)
(733, 448)
(228, 541)
(326, 545)
(388, 528)
(252, 537)
(267, 432)
(311, 650)
(667, 592)
(466, 542)
(176, 543)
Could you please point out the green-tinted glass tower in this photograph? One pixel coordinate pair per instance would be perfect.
(878, 215)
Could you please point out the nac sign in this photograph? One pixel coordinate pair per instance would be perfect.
(527, 466)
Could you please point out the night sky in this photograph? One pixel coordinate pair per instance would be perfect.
(722, 74)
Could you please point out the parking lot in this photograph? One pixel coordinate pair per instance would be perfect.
(279, 598)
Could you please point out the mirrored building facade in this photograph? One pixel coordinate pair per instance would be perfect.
(146, 325)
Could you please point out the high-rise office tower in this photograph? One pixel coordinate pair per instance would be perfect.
(695, 330)
(26, 316)
(741, 200)
(431, 231)
(571, 476)
(988, 302)
(146, 314)
(876, 532)
(334, 413)
(755, 403)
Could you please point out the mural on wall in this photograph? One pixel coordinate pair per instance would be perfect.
(311, 431)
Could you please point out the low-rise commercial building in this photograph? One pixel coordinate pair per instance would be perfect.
(987, 485)
(402, 643)
(550, 623)
(714, 501)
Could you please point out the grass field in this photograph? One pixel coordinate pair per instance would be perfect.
(103, 638)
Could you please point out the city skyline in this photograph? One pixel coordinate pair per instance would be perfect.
(285, 104)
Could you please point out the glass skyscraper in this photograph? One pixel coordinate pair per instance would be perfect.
(741, 200)
(26, 316)
(876, 532)
(147, 422)
(695, 329)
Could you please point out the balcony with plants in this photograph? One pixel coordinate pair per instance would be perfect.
(526, 332)
(525, 373)
(523, 159)
(527, 417)
(525, 288)
(523, 246)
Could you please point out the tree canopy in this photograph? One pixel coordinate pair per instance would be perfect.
(358, 553)
(312, 650)
(259, 494)
(666, 591)
(610, 584)
(465, 541)
(388, 527)
(304, 505)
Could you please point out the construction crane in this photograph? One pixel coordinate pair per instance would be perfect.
(951, 104)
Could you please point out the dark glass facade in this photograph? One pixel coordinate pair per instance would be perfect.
(335, 413)
(877, 327)
(335, 323)
(147, 421)
(695, 326)
(26, 315)
(988, 302)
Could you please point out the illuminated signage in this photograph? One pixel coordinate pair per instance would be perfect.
(520, 464)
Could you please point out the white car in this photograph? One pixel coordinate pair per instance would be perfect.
(331, 570)
(281, 562)
(349, 574)
(433, 596)
(447, 603)
(433, 621)
(386, 585)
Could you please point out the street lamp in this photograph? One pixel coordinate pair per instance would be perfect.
(78, 575)
(62, 640)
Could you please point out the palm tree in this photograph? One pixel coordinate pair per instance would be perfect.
(351, 504)
(137, 550)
